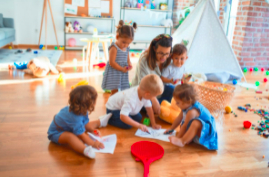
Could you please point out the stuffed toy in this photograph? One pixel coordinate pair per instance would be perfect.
(68, 27)
(40, 67)
(169, 112)
(77, 27)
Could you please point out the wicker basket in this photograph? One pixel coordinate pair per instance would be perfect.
(214, 96)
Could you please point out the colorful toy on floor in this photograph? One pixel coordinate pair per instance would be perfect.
(242, 108)
(258, 91)
(250, 69)
(147, 152)
(234, 82)
(247, 124)
(262, 69)
(245, 70)
(267, 73)
(61, 77)
(21, 65)
(83, 82)
(100, 65)
(228, 109)
(265, 80)
(169, 112)
(55, 47)
(10, 47)
(43, 48)
(257, 83)
(29, 50)
(18, 51)
(40, 46)
(256, 69)
(146, 121)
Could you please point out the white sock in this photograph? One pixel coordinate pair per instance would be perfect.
(88, 152)
(104, 119)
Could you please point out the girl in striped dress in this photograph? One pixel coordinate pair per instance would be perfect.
(116, 73)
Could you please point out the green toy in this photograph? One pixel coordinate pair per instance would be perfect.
(267, 73)
(146, 121)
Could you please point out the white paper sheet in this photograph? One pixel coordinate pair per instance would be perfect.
(70, 9)
(154, 134)
(94, 3)
(80, 3)
(105, 7)
(94, 12)
(109, 142)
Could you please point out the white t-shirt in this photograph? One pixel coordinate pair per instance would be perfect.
(171, 71)
(127, 101)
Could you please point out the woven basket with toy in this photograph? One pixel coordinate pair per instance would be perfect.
(214, 96)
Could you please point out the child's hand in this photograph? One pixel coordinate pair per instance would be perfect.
(168, 132)
(124, 69)
(156, 126)
(98, 145)
(129, 67)
(143, 128)
(172, 81)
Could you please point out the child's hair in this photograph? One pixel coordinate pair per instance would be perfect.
(163, 40)
(185, 93)
(152, 84)
(126, 31)
(179, 49)
(82, 99)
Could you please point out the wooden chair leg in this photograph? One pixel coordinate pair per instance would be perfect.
(105, 49)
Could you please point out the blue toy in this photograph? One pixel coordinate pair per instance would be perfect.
(234, 82)
(35, 52)
(242, 108)
(41, 46)
(22, 65)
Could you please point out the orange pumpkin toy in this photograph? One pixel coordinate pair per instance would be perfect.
(169, 112)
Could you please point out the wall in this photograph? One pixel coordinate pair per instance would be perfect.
(251, 36)
(27, 16)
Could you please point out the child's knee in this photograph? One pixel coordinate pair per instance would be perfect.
(196, 124)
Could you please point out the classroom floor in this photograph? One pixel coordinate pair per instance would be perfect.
(28, 105)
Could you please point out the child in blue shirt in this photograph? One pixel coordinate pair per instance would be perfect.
(197, 124)
(69, 126)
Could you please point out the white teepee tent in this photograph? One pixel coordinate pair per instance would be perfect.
(208, 49)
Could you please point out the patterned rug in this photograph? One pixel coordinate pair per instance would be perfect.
(8, 56)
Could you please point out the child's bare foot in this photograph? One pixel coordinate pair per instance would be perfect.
(176, 141)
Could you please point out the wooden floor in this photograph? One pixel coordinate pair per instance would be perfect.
(27, 106)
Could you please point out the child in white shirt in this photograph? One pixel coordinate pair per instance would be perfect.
(126, 105)
(174, 73)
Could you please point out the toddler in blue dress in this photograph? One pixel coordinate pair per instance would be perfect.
(197, 124)
(69, 126)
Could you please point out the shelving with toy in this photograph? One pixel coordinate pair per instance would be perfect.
(158, 13)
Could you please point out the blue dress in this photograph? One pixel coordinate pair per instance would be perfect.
(209, 135)
(67, 121)
(115, 79)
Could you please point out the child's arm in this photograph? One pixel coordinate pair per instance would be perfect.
(167, 81)
(152, 118)
(190, 115)
(87, 140)
(130, 66)
(112, 60)
(130, 121)
(176, 122)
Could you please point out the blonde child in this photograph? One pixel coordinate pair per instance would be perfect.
(174, 73)
(69, 126)
(197, 124)
(126, 105)
(116, 73)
